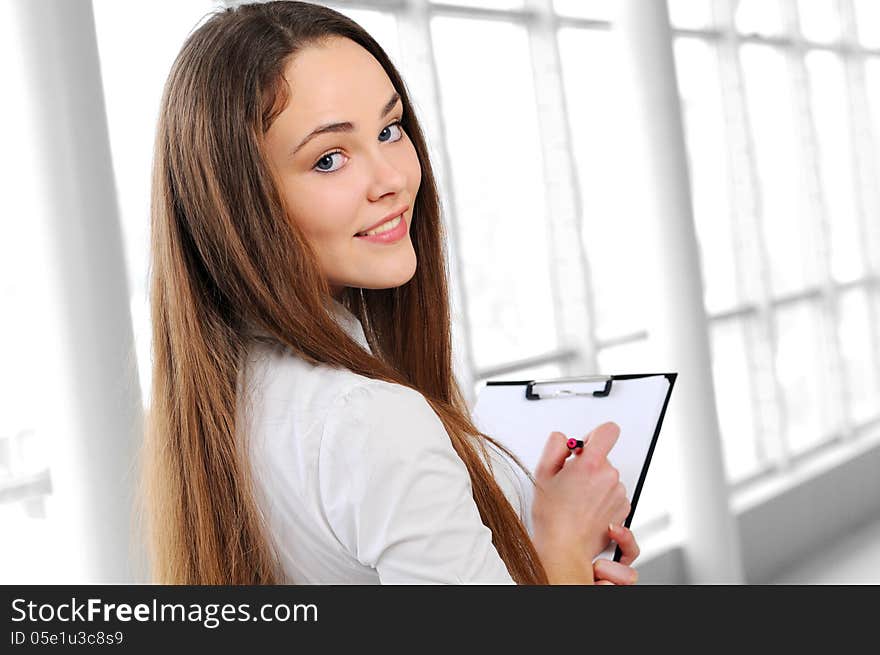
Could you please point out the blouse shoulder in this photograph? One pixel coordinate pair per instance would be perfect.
(389, 409)
(395, 492)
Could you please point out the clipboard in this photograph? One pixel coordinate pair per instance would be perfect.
(522, 414)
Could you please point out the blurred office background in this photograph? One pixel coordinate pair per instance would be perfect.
(629, 186)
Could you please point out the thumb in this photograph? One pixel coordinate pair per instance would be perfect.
(555, 453)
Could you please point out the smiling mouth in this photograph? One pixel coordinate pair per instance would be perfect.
(385, 227)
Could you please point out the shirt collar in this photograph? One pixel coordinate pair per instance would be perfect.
(349, 323)
(346, 320)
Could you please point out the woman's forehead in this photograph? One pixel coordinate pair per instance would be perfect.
(339, 82)
(324, 78)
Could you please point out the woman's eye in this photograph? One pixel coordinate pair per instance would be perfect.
(328, 158)
(399, 129)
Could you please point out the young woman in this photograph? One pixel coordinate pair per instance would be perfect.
(305, 422)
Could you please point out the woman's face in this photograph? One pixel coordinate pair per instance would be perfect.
(346, 181)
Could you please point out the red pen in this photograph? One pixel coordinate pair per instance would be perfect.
(574, 443)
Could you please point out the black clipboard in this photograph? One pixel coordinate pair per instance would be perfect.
(522, 413)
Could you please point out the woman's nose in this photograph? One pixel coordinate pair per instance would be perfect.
(386, 172)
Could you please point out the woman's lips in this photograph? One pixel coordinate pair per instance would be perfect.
(390, 236)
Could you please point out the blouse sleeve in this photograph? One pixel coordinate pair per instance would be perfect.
(396, 494)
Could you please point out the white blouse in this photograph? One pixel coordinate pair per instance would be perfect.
(357, 478)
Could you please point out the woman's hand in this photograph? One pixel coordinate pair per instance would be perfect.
(606, 571)
(577, 495)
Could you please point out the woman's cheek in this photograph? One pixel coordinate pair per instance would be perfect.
(416, 169)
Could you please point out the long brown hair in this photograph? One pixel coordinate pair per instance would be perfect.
(225, 255)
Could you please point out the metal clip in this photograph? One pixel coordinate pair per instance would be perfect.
(568, 392)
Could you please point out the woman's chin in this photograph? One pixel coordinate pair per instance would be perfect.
(390, 277)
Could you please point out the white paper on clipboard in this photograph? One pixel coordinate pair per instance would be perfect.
(636, 403)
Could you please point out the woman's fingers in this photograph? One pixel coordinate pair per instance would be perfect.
(614, 572)
(623, 508)
(601, 441)
(553, 457)
(621, 572)
(629, 549)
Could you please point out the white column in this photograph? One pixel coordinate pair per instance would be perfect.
(96, 401)
(678, 320)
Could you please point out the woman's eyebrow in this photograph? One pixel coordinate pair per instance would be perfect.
(346, 126)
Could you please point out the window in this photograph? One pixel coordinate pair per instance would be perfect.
(777, 100)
